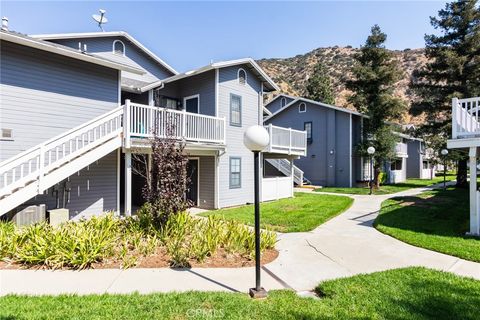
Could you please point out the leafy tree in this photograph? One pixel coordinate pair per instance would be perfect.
(453, 70)
(375, 74)
(319, 86)
(168, 181)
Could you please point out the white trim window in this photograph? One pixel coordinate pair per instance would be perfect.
(118, 47)
(242, 76)
(235, 172)
(235, 110)
(283, 102)
(302, 107)
(192, 103)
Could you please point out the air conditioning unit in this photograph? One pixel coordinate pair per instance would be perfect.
(30, 215)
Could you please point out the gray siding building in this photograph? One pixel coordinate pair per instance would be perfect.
(333, 133)
(77, 112)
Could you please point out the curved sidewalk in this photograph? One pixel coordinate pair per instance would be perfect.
(344, 246)
(349, 244)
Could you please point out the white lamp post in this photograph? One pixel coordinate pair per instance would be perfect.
(256, 138)
(444, 153)
(371, 151)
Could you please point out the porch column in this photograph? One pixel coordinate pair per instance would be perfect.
(474, 216)
(128, 183)
(292, 175)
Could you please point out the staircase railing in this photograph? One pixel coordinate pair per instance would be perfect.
(465, 117)
(34, 163)
(283, 166)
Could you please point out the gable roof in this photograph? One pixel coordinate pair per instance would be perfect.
(282, 95)
(270, 84)
(106, 34)
(28, 41)
(301, 99)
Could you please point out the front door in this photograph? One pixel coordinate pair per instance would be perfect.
(192, 104)
(192, 188)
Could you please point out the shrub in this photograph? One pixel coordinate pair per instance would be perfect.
(167, 180)
(79, 245)
(188, 238)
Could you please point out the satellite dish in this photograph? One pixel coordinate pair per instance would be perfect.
(100, 18)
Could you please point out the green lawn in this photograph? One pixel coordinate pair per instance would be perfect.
(302, 213)
(436, 220)
(389, 188)
(411, 293)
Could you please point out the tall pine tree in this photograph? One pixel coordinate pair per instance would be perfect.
(319, 86)
(453, 71)
(374, 77)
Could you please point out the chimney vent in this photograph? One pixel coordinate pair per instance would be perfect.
(5, 24)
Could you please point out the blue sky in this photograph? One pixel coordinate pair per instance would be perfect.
(191, 34)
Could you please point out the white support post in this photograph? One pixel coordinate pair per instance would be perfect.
(119, 159)
(289, 140)
(41, 169)
(474, 214)
(126, 124)
(128, 183)
(454, 117)
(270, 130)
(216, 181)
(291, 175)
(184, 118)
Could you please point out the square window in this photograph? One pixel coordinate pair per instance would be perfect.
(235, 173)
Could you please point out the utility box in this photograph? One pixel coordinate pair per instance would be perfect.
(59, 216)
(30, 215)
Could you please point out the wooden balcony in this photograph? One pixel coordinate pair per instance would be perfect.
(142, 122)
(401, 150)
(465, 123)
(286, 141)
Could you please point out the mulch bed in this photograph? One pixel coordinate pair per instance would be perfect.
(160, 259)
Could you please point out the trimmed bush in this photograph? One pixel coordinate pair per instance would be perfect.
(79, 245)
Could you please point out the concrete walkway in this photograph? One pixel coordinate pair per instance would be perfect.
(349, 244)
(344, 246)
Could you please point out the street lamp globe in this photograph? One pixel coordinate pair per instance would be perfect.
(444, 152)
(370, 150)
(256, 138)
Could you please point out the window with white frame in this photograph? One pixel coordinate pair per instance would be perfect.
(235, 172)
(396, 164)
(235, 110)
(242, 76)
(118, 47)
(307, 126)
(283, 102)
(302, 107)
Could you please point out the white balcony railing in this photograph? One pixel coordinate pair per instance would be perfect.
(142, 121)
(465, 121)
(287, 141)
(401, 149)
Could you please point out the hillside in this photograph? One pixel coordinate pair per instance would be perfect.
(291, 74)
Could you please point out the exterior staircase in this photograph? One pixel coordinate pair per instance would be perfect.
(33, 171)
(283, 166)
